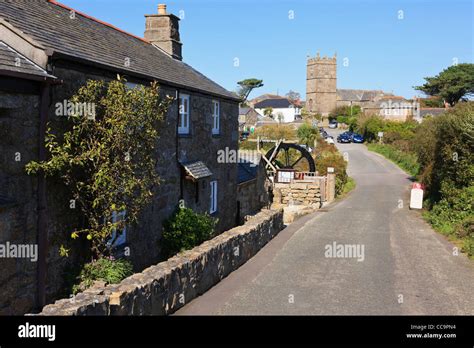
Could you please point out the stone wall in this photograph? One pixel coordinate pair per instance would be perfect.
(298, 193)
(19, 121)
(252, 195)
(163, 288)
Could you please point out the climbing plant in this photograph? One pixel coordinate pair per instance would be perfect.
(107, 159)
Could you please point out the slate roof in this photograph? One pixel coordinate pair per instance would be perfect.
(197, 169)
(246, 171)
(87, 39)
(244, 111)
(276, 103)
(248, 165)
(431, 111)
(359, 94)
(261, 120)
(12, 61)
(349, 94)
(370, 95)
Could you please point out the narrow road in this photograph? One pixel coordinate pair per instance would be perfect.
(407, 268)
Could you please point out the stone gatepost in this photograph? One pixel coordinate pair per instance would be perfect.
(330, 185)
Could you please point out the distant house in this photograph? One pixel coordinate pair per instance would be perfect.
(265, 121)
(392, 108)
(47, 52)
(376, 102)
(248, 118)
(431, 112)
(283, 110)
(360, 97)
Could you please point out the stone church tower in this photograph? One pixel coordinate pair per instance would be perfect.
(321, 84)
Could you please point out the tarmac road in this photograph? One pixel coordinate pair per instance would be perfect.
(406, 267)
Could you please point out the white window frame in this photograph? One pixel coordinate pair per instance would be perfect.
(213, 207)
(216, 117)
(183, 106)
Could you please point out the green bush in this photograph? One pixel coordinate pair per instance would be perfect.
(453, 211)
(351, 121)
(275, 131)
(345, 111)
(328, 156)
(186, 229)
(445, 148)
(105, 269)
(307, 134)
(369, 126)
(405, 160)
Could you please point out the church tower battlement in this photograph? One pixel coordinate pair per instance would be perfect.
(321, 77)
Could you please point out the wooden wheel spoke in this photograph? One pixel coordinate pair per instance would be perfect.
(296, 162)
(287, 158)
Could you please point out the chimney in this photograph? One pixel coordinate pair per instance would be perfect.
(162, 30)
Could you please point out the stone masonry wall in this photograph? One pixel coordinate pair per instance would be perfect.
(163, 288)
(19, 119)
(253, 195)
(298, 194)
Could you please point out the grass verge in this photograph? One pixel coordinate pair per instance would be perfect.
(405, 160)
(348, 187)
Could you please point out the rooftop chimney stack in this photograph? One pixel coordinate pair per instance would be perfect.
(162, 30)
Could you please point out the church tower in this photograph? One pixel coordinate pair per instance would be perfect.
(321, 84)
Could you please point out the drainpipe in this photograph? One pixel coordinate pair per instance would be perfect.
(42, 219)
(42, 238)
(177, 150)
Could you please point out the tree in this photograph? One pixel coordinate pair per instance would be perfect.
(293, 96)
(108, 162)
(268, 112)
(452, 84)
(345, 110)
(276, 132)
(247, 86)
(307, 134)
(369, 126)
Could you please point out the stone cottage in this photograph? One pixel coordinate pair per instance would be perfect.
(47, 51)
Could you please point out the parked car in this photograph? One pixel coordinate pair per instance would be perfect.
(333, 124)
(330, 140)
(357, 138)
(344, 138)
(348, 133)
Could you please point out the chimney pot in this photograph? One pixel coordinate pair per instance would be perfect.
(161, 9)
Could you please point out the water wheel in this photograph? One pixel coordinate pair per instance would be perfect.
(291, 156)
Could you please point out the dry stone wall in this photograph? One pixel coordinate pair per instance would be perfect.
(297, 194)
(163, 288)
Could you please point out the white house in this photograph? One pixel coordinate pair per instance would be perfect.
(283, 110)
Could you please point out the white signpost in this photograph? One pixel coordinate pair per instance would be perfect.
(380, 135)
(416, 196)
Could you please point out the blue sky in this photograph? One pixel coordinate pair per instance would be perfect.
(389, 44)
